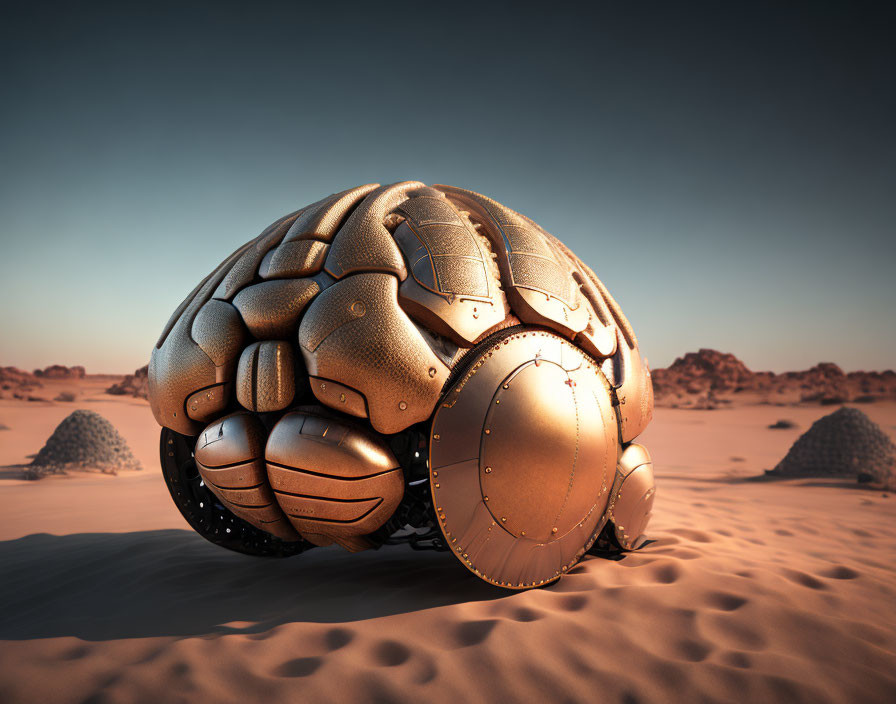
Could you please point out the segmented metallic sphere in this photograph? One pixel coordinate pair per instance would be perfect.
(388, 308)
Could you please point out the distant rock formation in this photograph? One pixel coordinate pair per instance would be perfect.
(846, 443)
(135, 384)
(57, 371)
(708, 379)
(84, 440)
(17, 379)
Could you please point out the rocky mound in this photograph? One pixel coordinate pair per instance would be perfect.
(717, 368)
(845, 443)
(58, 371)
(708, 378)
(135, 384)
(84, 440)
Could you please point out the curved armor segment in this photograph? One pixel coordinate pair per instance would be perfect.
(200, 345)
(453, 287)
(336, 482)
(305, 246)
(538, 284)
(632, 497)
(271, 310)
(265, 380)
(230, 458)
(364, 243)
(522, 454)
(355, 334)
(322, 220)
(430, 321)
(610, 334)
(244, 268)
(199, 354)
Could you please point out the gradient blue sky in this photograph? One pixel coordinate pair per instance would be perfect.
(728, 169)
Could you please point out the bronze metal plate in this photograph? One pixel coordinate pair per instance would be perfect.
(523, 453)
(336, 481)
(631, 501)
(230, 457)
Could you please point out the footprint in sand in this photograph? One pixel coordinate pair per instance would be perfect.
(724, 601)
(390, 653)
(428, 671)
(524, 614)
(665, 573)
(839, 572)
(337, 638)
(803, 579)
(693, 650)
(572, 602)
(76, 653)
(298, 667)
(473, 632)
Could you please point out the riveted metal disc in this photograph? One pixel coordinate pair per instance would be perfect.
(523, 454)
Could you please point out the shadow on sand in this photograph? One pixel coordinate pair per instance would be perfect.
(100, 586)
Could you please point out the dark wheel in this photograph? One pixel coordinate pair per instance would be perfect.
(204, 511)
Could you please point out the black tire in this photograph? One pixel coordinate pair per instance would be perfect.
(205, 513)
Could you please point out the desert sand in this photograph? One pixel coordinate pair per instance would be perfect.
(747, 591)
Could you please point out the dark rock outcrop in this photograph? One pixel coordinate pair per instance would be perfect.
(708, 378)
(15, 378)
(135, 384)
(57, 371)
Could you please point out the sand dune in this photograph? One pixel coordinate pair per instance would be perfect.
(760, 592)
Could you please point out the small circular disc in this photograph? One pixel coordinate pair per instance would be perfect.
(523, 453)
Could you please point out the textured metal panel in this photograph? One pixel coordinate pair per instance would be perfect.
(294, 260)
(272, 309)
(245, 267)
(635, 393)
(230, 457)
(198, 352)
(206, 404)
(322, 220)
(335, 481)
(632, 499)
(355, 333)
(453, 287)
(599, 336)
(340, 397)
(537, 281)
(265, 379)
(364, 243)
(219, 332)
(522, 453)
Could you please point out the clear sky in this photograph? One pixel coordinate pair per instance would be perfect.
(728, 169)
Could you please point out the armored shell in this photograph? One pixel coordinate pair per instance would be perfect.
(407, 363)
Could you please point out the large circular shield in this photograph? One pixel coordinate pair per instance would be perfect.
(523, 455)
